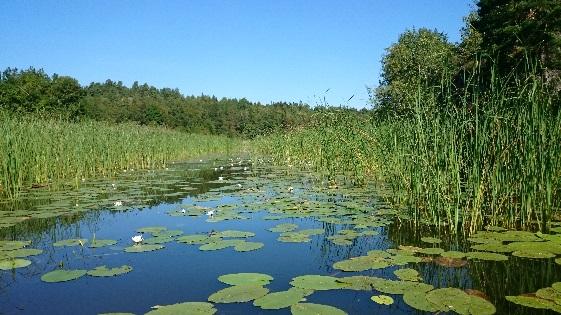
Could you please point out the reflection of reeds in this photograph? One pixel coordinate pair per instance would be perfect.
(34, 151)
(484, 158)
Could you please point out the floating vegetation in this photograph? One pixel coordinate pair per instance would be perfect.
(453, 254)
(151, 229)
(220, 244)
(431, 240)
(20, 253)
(238, 294)
(167, 233)
(486, 256)
(246, 278)
(194, 239)
(13, 245)
(191, 308)
(382, 299)
(71, 242)
(61, 275)
(407, 274)
(535, 254)
(102, 243)
(284, 227)
(103, 271)
(293, 237)
(282, 299)
(234, 234)
(545, 298)
(314, 309)
(140, 248)
(247, 246)
(456, 300)
(316, 282)
(9, 264)
(432, 251)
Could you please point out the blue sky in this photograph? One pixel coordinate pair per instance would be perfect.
(289, 50)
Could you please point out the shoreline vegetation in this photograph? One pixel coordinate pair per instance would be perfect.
(37, 152)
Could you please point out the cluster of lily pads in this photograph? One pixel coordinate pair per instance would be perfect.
(12, 254)
(545, 298)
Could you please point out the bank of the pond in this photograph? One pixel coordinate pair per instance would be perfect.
(38, 152)
(491, 159)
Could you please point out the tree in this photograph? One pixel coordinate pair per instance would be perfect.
(515, 32)
(420, 58)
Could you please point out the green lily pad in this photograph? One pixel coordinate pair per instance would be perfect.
(20, 253)
(548, 246)
(187, 308)
(557, 286)
(234, 234)
(431, 240)
(284, 227)
(311, 232)
(102, 243)
(399, 287)
(486, 256)
(151, 229)
(493, 247)
(315, 309)
(533, 302)
(417, 299)
(246, 278)
(382, 299)
(167, 233)
(558, 261)
(316, 282)
(248, 246)
(533, 254)
(71, 242)
(341, 241)
(194, 239)
(453, 254)
(293, 237)
(12, 245)
(362, 263)
(103, 271)
(9, 264)
(220, 244)
(407, 274)
(432, 251)
(140, 248)
(238, 294)
(359, 283)
(157, 240)
(453, 299)
(282, 299)
(63, 275)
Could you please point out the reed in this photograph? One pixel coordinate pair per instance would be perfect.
(37, 151)
(489, 158)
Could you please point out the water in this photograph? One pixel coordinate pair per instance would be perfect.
(181, 272)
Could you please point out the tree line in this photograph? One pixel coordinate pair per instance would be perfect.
(32, 91)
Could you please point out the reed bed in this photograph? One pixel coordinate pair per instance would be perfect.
(480, 159)
(36, 151)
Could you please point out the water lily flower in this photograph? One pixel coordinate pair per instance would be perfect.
(210, 213)
(220, 178)
(137, 238)
(118, 203)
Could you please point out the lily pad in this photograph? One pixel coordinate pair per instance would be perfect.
(486, 256)
(157, 240)
(453, 254)
(316, 282)
(431, 240)
(103, 271)
(167, 233)
(151, 229)
(12, 245)
(140, 248)
(246, 278)
(9, 264)
(220, 244)
(432, 251)
(238, 294)
(362, 263)
(187, 308)
(293, 237)
(20, 253)
(407, 274)
(248, 246)
(63, 275)
(234, 234)
(533, 302)
(71, 242)
(453, 299)
(194, 239)
(315, 309)
(284, 227)
(533, 254)
(282, 299)
(102, 243)
(382, 299)
(417, 299)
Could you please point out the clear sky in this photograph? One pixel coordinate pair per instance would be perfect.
(263, 50)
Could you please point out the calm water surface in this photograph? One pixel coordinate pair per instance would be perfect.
(181, 272)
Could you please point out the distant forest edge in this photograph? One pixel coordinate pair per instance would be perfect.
(32, 91)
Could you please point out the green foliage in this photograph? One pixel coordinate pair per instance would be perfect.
(514, 31)
(420, 58)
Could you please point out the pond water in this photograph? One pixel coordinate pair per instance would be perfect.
(323, 228)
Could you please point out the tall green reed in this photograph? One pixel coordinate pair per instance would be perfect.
(41, 151)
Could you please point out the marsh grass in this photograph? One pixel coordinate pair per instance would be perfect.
(36, 151)
(455, 162)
